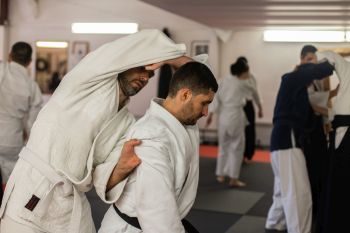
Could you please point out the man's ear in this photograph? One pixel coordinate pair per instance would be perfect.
(185, 94)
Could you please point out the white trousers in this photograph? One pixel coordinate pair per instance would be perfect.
(231, 150)
(8, 225)
(292, 204)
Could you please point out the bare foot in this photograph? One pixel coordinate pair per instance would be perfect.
(236, 183)
(220, 179)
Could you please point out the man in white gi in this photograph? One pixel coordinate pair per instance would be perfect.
(75, 133)
(161, 191)
(229, 103)
(20, 103)
(336, 195)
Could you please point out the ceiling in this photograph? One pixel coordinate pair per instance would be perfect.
(229, 14)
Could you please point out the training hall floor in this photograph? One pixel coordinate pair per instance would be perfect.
(218, 208)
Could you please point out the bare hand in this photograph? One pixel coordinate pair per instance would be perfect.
(128, 161)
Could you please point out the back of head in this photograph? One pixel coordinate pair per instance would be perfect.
(21, 52)
(195, 76)
(307, 49)
(239, 67)
(243, 59)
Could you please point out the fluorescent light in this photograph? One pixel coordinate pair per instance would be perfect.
(347, 34)
(51, 44)
(105, 28)
(303, 36)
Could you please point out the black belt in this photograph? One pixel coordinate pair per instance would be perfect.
(341, 120)
(133, 221)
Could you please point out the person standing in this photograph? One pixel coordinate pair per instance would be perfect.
(292, 203)
(20, 103)
(333, 217)
(228, 103)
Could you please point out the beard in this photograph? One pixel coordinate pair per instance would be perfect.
(189, 118)
(126, 86)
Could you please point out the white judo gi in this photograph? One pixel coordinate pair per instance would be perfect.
(253, 94)
(20, 103)
(341, 102)
(162, 189)
(75, 133)
(228, 103)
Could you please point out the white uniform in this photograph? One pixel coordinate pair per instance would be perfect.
(163, 188)
(74, 134)
(341, 102)
(228, 103)
(20, 103)
(253, 94)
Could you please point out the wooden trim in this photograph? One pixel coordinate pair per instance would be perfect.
(4, 6)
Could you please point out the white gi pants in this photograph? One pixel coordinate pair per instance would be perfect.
(231, 150)
(292, 203)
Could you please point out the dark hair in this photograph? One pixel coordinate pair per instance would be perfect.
(21, 52)
(239, 67)
(194, 75)
(244, 59)
(307, 49)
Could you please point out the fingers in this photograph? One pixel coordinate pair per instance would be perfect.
(154, 66)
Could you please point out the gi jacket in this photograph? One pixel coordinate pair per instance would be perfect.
(163, 187)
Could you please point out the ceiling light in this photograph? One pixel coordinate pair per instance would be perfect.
(105, 28)
(303, 36)
(51, 44)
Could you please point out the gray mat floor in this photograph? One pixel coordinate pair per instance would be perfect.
(218, 208)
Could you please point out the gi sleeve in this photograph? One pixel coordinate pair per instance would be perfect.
(255, 93)
(156, 205)
(36, 101)
(215, 105)
(342, 67)
(102, 173)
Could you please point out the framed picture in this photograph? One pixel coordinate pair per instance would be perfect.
(199, 47)
(80, 48)
(78, 51)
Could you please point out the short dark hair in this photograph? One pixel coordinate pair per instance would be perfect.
(242, 58)
(307, 49)
(21, 52)
(239, 67)
(193, 75)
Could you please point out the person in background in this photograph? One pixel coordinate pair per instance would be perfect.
(291, 209)
(228, 103)
(335, 200)
(20, 103)
(249, 110)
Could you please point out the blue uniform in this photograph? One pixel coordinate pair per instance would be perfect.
(292, 204)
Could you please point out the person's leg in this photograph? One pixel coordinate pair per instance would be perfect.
(249, 132)
(276, 219)
(295, 191)
(222, 159)
(236, 151)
